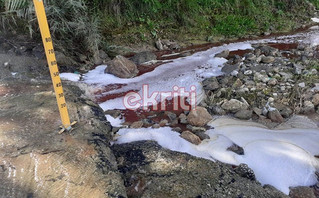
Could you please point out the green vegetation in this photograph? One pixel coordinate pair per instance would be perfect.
(73, 28)
(203, 18)
(81, 25)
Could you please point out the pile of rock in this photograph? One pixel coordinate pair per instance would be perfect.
(264, 84)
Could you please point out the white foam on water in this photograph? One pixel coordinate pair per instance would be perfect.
(115, 122)
(70, 76)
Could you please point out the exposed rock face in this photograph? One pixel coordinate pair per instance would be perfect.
(199, 117)
(122, 67)
(152, 171)
(35, 161)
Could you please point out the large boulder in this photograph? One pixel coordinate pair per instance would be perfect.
(122, 67)
(199, 117)
(152, 171)
(35, 161)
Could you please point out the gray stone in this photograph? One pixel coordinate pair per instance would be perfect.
(159, 44)
(302, 85)
(272, 82)
(172, 116)
(182, 118)
(199, 117)
(275, 116)
(236, 149)
(122, 67)
(223, 54)
(202, 135)
(234, 106)
(228, 69)
(244, 114)
(143, 57)
(315, 99)
(137, 124)
(308, 107)
(268, 59)
(217, 110)
(244, 171)
(191, 137)
(211, 84)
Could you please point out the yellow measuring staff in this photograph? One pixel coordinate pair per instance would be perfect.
(54, 71)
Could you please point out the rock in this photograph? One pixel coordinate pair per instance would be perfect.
(268, 51)
(228, 69)
(268, 59)
(137, 125)
(313, 72)
(237, 83)
(38, 51)
(177, 129)
(199, 117)
(223, 54)
(236, 149)
(250, 57)
(246, 172)
(248, 72)
(42, 163)
(182, 118)
(272, 82)
(302, 85)
(275, 116)
(211, 84)
(103, 55)
(234, 106)
(156, 126)
(152, 171)
(286, 76)
(302, 192)
(191, 137)
(257, 111)
(163, 123)
(147, 122)
(234, 73)
(217, 110)
(159, 44)
(170, 115)
(308, 107)
(315, 99)
(202, 135)
(63, 60)
(244, 114)
(143, 57)
(121, 67)
(284, 110)
(195, 129)
(261, 77)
